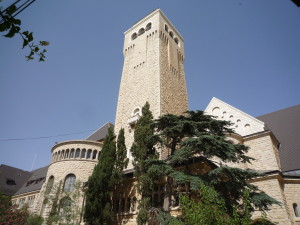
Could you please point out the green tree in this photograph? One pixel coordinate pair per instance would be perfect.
(195, 138)
(121, 161)
(10, 214)
(143, 150)
(98, 196)
(34, 220)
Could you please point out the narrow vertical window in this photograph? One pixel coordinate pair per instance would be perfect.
(94, 154)
(67, 154)
(49, 184)
(89, 153)
(166, 28)
(72, 153)
(83, 153)
(77, 154)
(296, 210)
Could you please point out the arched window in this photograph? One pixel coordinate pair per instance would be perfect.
(296, 210)
(166, 28)
(55, 156)
(62, 154)
(136, 112)
(94, 154)
(176, 40)
(67, 154)
(49, 184)
(65, 206)
(77, 154)
(133, 36)
(58, 155)
(72, 153)
(148, 26)
(171, 34)
(89, 153)
(99, 154)
(69, 183)
(141, 31)
(83, 153)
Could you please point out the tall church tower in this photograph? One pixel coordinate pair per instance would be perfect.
(153, 71)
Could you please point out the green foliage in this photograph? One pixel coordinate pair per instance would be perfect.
(10, 214)
(53, 215)
(143, 149)
(121, 161)
(61, 213)
(11, 26)
(98, 202)
(211, 209)
(34, 220)
(223, 194)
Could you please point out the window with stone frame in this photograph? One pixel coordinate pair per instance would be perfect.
(21, 202)
(49, 185)
(77, 154)
(83, 154)
(70, 183)
(31, 200)
(89, 153)
(65, 206)
(72, 153)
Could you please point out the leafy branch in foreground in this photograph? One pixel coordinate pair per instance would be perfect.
(11, 25)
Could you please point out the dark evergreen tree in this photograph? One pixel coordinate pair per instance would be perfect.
(121, 160)
(194, 138)
(98, 195)
(143, 149)
(197, 136)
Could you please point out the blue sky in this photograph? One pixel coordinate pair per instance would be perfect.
(246, 53)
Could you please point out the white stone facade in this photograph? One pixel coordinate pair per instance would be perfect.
(153, 72)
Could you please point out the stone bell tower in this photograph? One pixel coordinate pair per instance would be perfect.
(153, 71)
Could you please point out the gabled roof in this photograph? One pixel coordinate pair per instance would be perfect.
(243, 123)
(12, 179)
(100, 134)
(285, 125)
(34, 182)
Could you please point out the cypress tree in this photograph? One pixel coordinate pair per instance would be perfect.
(143, 149)
(121, 160)
(98, 196)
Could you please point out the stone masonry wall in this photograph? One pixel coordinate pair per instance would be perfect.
(273, 187)
(292, 193)
(264, 152)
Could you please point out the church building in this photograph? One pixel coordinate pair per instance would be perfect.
(153, 72)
